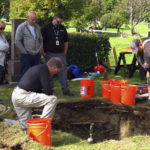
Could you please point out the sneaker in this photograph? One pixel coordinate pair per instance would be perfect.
(68, 93)
(25, 130)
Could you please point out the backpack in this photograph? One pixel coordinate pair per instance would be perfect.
(75, 71)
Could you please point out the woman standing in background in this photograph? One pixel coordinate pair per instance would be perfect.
(4, 47)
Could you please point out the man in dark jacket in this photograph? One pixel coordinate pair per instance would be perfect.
(55, 43)
(34, 90)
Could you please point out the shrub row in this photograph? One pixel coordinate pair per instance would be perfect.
(82, 48)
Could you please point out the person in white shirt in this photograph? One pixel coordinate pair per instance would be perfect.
(4, 47)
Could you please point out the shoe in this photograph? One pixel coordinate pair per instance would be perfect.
(68, 93)
(5, 82)
(25, 130)
(1, 119)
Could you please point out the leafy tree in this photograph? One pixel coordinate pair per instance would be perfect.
(78, 11)
(135, 10)
(88, 13)
(146, 14)
(45, 9)
(108, 6)
(113, 20)
(4, 9)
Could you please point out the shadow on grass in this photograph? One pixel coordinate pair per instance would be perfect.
(61, 139)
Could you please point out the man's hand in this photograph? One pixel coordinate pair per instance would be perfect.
(148, 75)
(26, 52)
(43, 53)
(66, 47)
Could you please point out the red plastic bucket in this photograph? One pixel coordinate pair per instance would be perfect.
(39, 129)
(115, 96)
(105, 88)
(87, 88)
(128, 93)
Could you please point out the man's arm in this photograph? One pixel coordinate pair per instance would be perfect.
(45, 81)
(44, 36)
(40, 40)
(66, 39)
(4, 46)
(66, 47)
(43, 52)
(18, 40)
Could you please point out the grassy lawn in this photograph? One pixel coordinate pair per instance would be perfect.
(64, 141)
(119, 43)
(8, 28)
(141, 28)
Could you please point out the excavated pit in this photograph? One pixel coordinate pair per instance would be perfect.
(111, 121)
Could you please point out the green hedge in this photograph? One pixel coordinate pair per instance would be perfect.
(81, 50)
(82, 47)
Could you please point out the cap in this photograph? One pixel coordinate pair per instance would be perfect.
(134, 45)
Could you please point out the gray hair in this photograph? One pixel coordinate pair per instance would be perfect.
(32, 12)
(134, 45)
(55, 62)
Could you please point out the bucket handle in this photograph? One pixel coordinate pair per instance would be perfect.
(42, 131)
(116, 77)
(120, 77)
(106, 89)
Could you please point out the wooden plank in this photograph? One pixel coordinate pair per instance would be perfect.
(108, 62)
(115, 55)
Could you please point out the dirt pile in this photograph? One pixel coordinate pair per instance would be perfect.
(110, 121)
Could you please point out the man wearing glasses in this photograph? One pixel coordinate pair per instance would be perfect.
(55, 44)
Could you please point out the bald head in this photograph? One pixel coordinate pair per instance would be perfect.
(32, 18)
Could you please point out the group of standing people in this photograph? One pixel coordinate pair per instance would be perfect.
(35, 86)
(51, 41)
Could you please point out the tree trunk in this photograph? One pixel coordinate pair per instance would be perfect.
(131, 20)
(118, 30)
(132, 30)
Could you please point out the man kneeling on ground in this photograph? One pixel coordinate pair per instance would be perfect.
(34, 90)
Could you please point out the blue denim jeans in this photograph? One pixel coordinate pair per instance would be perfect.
(27, 61)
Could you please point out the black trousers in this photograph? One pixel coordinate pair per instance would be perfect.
(2, 74)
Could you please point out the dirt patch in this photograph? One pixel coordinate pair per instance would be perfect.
(110, 121)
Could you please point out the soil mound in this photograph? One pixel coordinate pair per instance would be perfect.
(111, 121)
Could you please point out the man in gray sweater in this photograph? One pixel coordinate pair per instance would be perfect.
(29, 41)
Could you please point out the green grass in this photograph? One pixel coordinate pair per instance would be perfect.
(5, 92)
(141, 28)
(8, 25)
(8, 28)
(65, 141)
(11, 136)
(119, 43)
